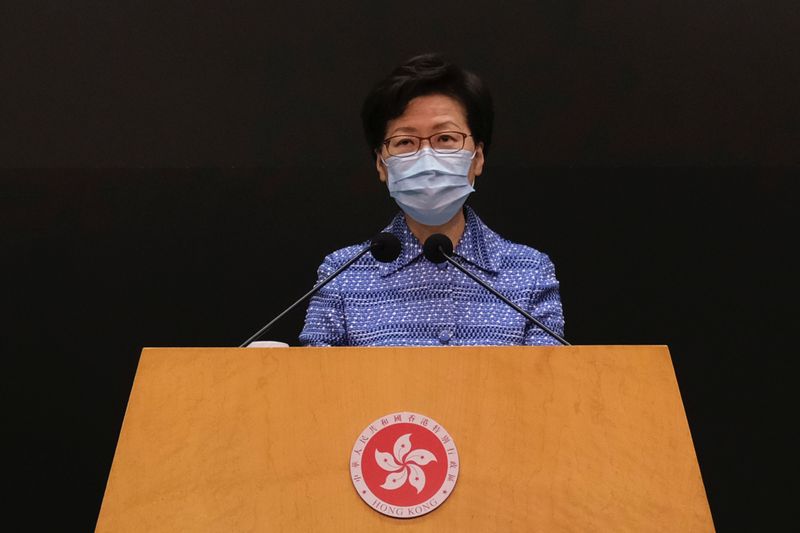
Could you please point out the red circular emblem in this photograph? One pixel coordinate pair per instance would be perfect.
(404, 465)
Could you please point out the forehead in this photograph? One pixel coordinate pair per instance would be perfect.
(428, 113)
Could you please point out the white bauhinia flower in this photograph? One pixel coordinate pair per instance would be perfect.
(404, 464)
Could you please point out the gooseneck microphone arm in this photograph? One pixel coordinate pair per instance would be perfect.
(303, 298)
(517, 308)
(385, 247)
(437, 251)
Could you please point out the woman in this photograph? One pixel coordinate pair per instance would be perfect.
(429, 124)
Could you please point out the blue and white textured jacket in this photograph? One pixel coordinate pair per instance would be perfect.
(413, 302)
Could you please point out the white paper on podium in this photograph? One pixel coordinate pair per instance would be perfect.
(267, 344)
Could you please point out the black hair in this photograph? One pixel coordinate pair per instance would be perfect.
(420, 76)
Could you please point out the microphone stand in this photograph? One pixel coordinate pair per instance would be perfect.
(310, 293)
(489, 288)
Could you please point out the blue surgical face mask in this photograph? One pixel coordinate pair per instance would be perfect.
(428, 186)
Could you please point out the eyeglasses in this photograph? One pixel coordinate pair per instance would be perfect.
(444, 142)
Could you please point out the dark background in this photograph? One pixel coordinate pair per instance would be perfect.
(172, 176)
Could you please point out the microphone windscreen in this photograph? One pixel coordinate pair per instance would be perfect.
(436, 246)
(385, 247)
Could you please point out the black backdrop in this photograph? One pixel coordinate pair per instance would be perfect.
(173, 175)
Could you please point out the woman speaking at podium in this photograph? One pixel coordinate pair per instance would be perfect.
(429, 124)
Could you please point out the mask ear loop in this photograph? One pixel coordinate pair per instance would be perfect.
(474, 178)
(379, 153)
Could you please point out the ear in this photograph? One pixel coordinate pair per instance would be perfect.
(381, 167)
(477, 163)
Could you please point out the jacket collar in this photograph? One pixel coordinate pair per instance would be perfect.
(479, 245)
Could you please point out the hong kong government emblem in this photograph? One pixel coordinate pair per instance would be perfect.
(404, 465)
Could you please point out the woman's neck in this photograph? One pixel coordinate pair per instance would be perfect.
(454, 228)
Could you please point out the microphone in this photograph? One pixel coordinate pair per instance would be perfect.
(438, 248)
(384, 247)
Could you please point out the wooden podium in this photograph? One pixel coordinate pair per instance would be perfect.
(552, 439)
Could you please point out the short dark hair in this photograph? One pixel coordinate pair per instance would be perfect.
(420, 76)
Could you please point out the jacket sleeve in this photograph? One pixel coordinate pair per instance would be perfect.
(325, 320)
(545, 305)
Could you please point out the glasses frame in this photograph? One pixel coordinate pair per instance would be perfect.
(387, 140)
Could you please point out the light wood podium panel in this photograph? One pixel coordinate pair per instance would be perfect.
(551, 439)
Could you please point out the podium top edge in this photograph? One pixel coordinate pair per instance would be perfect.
(507, 347)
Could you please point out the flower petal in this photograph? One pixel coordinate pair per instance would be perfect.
(402, 447)
(386, 461)
(416, 477)
(420, 457)
(396, 480)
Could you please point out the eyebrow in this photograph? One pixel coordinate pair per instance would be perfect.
(439, 126)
